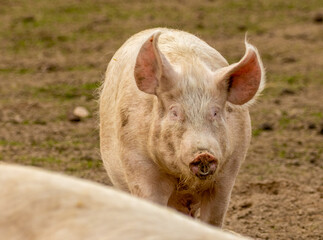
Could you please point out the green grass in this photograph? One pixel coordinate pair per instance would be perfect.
(256, 132)
(89, 163)
(39, 161)
(52, 143)
(19, 71)
(9, 143)
(318, 115)
(65, 91)
(284, 121)
(75, 163)
(85, 164)
(40, 24)
(282, 153)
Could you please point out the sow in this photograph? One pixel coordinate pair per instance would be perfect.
(174, 120)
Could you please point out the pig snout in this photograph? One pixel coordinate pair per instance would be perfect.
(204, 165)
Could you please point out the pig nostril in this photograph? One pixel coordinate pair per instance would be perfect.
(204, 169)
(204, 165)
(197, 163)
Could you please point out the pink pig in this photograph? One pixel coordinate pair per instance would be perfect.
(174, 120)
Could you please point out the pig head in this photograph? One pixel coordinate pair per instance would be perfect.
(175, 125)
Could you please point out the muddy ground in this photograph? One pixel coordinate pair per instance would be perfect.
(53, 55)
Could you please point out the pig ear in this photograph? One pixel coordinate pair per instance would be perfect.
(245, 78)
(150, 66)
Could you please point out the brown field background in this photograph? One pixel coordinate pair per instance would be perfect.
(53, 55)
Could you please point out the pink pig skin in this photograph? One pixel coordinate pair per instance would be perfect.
(174, 120)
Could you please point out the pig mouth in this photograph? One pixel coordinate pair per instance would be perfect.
(204, 165)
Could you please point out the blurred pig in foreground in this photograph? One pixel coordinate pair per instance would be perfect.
(174, 120)
(38, 205)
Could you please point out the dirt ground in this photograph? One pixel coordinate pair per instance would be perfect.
(53, 55)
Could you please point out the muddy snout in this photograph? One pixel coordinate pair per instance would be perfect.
(204, 165)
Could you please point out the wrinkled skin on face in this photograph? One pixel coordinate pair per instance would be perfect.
(190, 121)
(174, 120)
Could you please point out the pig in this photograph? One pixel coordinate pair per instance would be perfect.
(174, 120)
(39, 205)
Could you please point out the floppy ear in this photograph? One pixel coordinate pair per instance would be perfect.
(245, 79)
(151, 67)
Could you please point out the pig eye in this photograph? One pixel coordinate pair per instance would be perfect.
(174, 113)
(214, 114)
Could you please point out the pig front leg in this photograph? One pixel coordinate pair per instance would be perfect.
(215, 203)
(145, 180)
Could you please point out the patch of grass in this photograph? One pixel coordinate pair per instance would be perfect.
(276, 83)
(284, 121)
(282, 153)
(49, 143)
(91, 86)
(16, 71)
(256, 132)
(59, 145)
(294, 79)
(9, 143)
(86, 163)
(317, 115)
(25, 122)
(80, 68)
(71, 169)
(63, 22)
(65, 91)
(39, 40)
(76, 142)
(90, 164)
(40, 161)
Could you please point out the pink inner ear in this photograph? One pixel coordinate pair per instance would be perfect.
(147, 67)
(244, 81)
